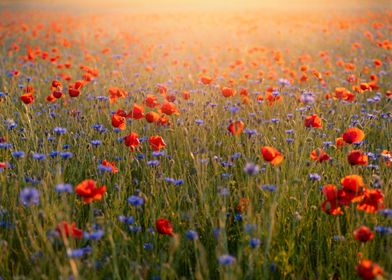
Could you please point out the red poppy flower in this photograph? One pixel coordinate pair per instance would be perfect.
(371, 201)
(186, 95)
(206, 80)
(331, 205)
(357, 157)
(319, 155)
(340, 142)
(56, 85)
(27, 98)
(352, 189)
(152, 117)
(65, 229)
(57, 94)
(132, 141)
(156, 142)
(74, 88)
(236, 128)
(368, 270)
(169, 108)
(164, 226)
(118, 121)
(353, 135)
(363, 234)
(89, 191)
(271, 155)
(228, 92)
(115, 93)
(137, 112)
(151, 101)
(112, 166)
(313, 121)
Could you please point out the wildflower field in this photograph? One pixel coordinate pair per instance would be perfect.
(237, 142)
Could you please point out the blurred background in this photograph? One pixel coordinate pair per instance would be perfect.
(194, 5)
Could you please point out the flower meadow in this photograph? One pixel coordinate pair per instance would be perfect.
(191, 144)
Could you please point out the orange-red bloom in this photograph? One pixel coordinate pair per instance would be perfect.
(118, 121)
(156, 142)
(152, 117)
(313, 121)
(357, 157)
(371, 201)
(89, 191)
(206, 80)
(169, 108)
(271, 155)
(368, 270)
(352, 189)
(331, 204)
(164, 226)
(363, 234)
(228, 92)
(132, 141)
(27, 98)
(115, 93)
(151, 101)
(137, 112)
(74, 88)
(236, 128)
(112, 166)
(65, 229)
(319, 155)
(353, 135)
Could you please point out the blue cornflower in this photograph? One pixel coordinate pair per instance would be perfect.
(224, 192)
(104, 168)
(78, 253)
(383, 230)
(59, 130)
(18, 154)
(148, 246)
(386, 212)
(96, 143)
(95, 235)
(54, 154)
(254, 243)
(270, 188)
(135, 200)
(199, 121)
(127, 220)
(63, 188)
(158, 153)
(226, 260)
(39, 156)
(66, 155)
(178, 182)
(5, 145)
(29, 196)
(135, 229)
(251, 168)
(250, 131)
(314, 177)
(153, 162)
(66, 146)
(192, 235)
(339, 238)
(236, 156)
